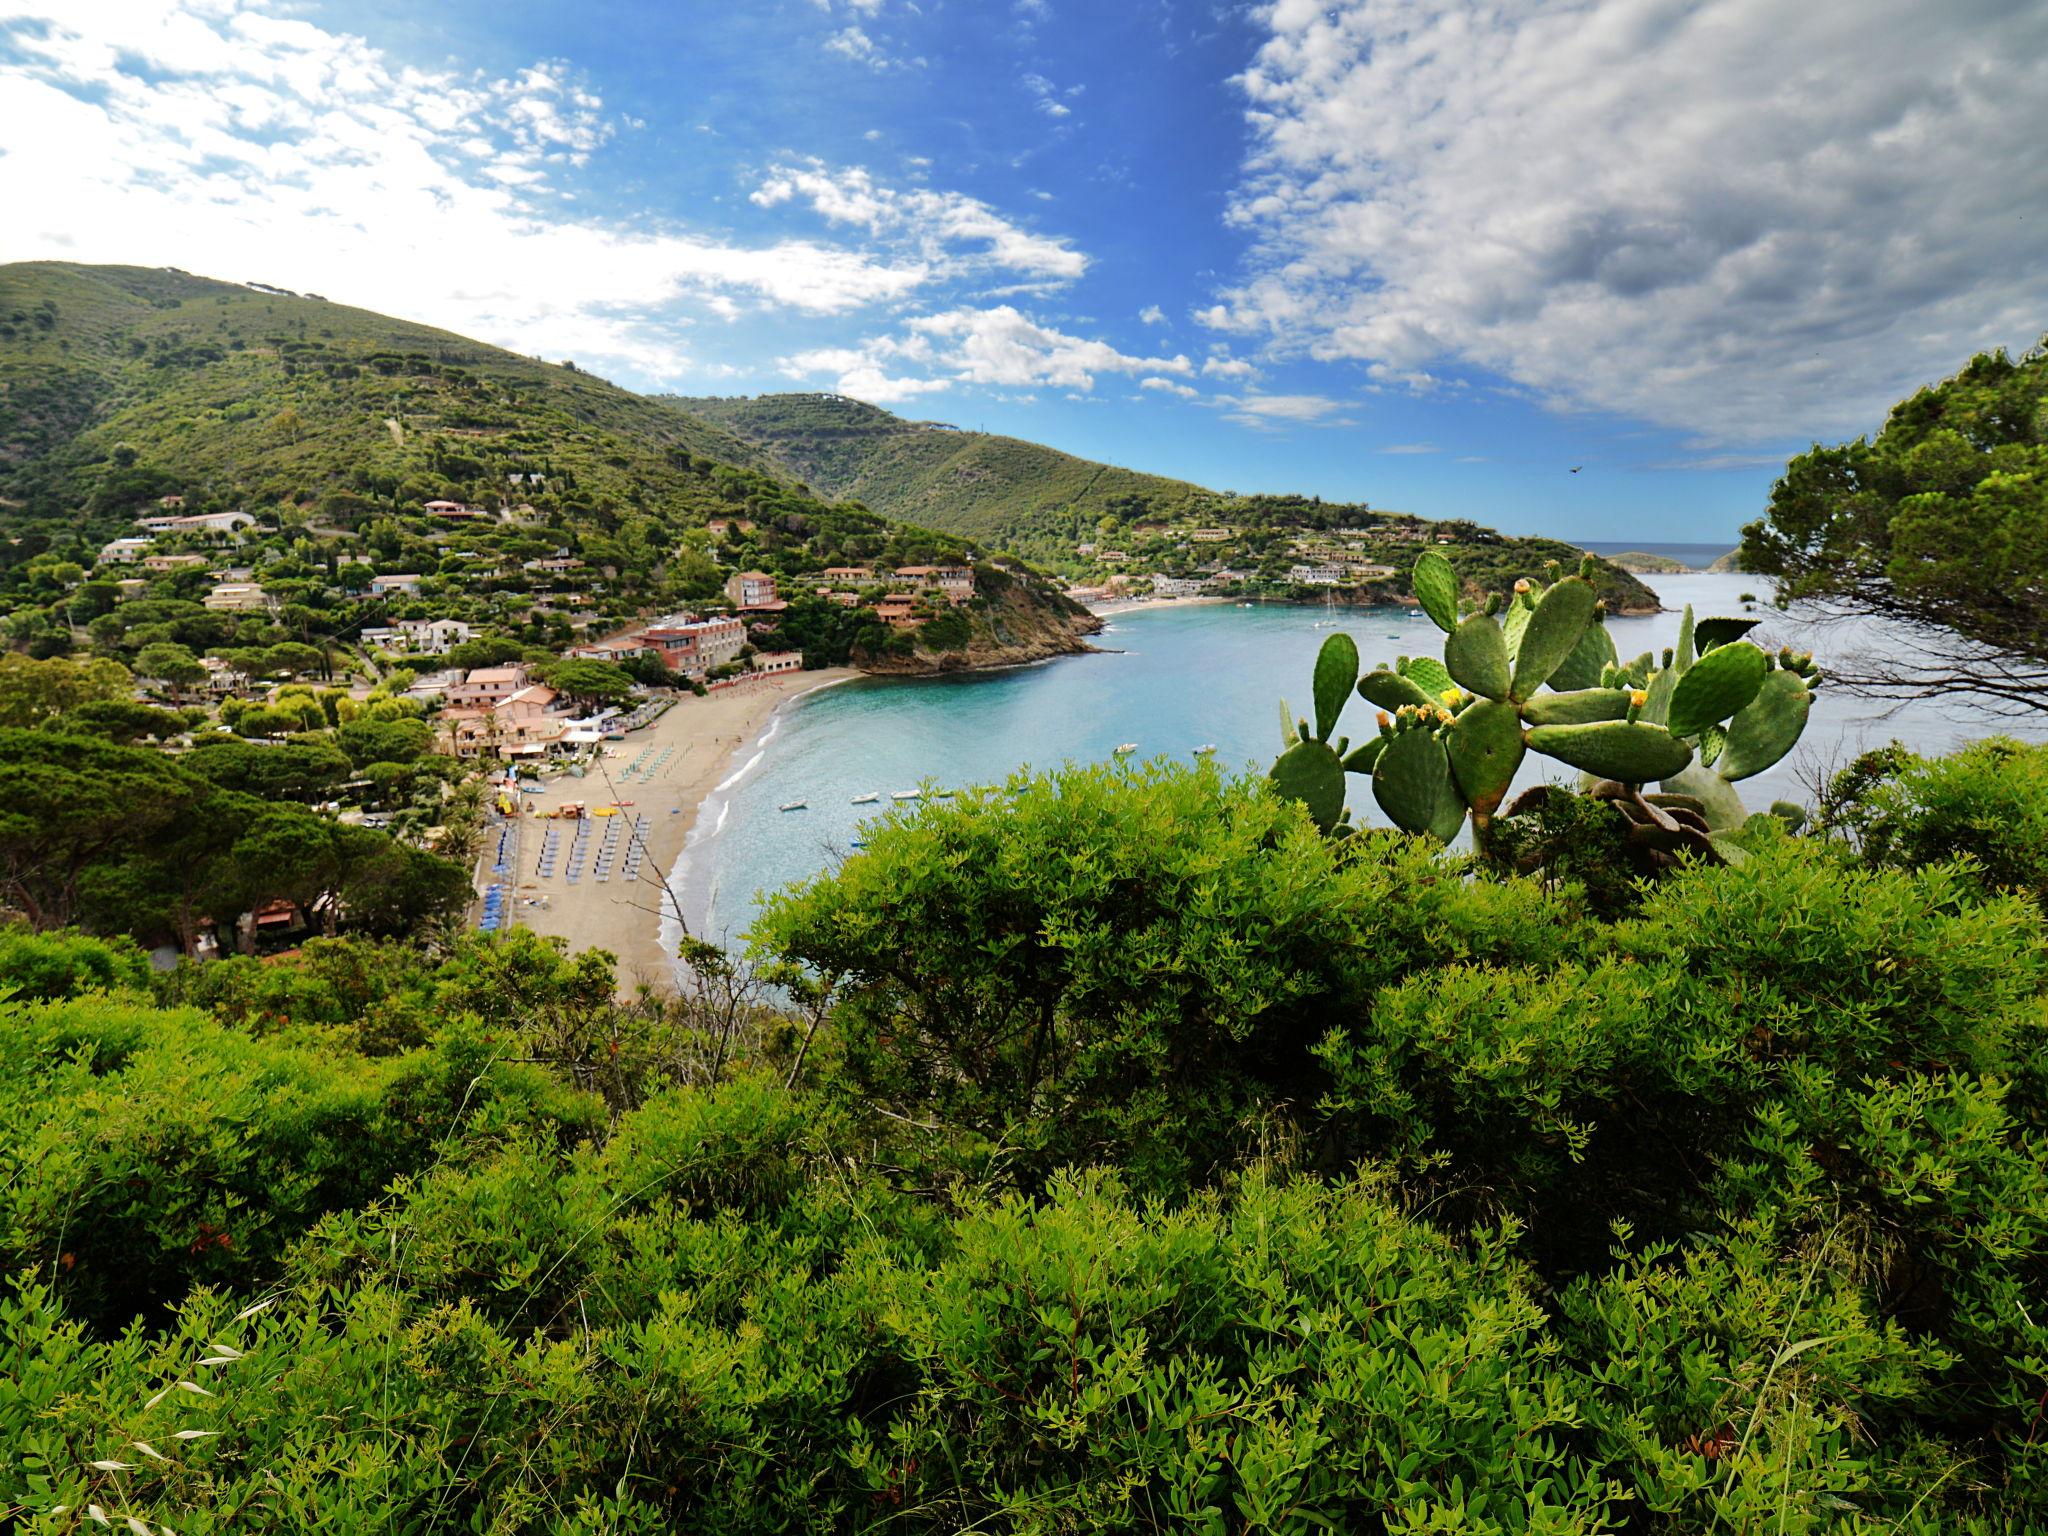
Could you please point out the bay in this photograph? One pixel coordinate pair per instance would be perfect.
(1170, 679)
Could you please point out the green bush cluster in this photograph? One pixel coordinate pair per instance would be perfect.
(1162, 1164)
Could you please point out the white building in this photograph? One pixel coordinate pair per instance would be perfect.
(1177, 586)
(1316, 575)
(236, 597)
(124, 551)
(389, 586)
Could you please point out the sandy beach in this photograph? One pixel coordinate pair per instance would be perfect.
(1113, 606)
(662, 773)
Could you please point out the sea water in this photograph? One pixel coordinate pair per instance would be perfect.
(1169, 679)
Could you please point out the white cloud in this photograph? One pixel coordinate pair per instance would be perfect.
(998, 347)
(228, 141)
(1267, 411)
(1221, 365)
(1753, 218)
(853, 43)
(934, 224)
(1152, 314)
(1411, 448)
(1049, 98)
(1185, 391)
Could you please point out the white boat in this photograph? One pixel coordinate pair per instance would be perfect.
(795, 805)
(907, 794)
(1126, 749)
(1205, 749)
(865, 799)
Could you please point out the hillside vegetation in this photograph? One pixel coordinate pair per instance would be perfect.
(1097, 522)
(1001, 490)
(335, 428)
(1134, 1157)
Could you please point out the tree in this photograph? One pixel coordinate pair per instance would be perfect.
(67, 802)
(120, 720)
(33, 691)
(292, 658)
(485, 651)
(171, 664)
(1939, 525)
(369, 740)
(294, 770)
(590, 682)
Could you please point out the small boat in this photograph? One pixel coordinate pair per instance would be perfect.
(869, 799)
(1126, 749)
(908, 794)
(795, 805)
(1205, 749)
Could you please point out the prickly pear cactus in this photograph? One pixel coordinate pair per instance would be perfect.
(1536, 671)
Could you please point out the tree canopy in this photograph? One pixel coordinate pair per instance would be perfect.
(1940, 524)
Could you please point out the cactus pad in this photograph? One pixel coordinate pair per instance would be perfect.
(1390, 690)
(1336, 671)
(1716, 686)
(1412, 783)
(1436, 588)
(1629, 751)
(1580, 707)
(1485, 748)
(1310, 772)
(1554, 631)
(1476, 656)
(1768, 728)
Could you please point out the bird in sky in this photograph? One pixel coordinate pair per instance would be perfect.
(1577, 467)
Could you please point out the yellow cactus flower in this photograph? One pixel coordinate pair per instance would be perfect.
(1638, 698)
(1452, 696)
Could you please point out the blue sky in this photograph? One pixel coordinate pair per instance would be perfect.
(1422, 253)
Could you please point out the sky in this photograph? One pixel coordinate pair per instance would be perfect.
(1591, 268)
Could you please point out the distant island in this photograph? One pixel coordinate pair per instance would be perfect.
(1639, 563)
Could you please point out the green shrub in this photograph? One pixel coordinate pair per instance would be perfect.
(147, 1152)
(1127, 966)
(62, 964)
(1987, 802)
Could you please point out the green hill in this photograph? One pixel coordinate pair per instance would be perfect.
(336, 427)
(1001, 490)
(1063, 512)
(238, 393)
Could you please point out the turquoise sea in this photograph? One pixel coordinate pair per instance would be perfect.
(1170, 679)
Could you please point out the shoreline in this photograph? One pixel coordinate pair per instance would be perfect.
(684, 758)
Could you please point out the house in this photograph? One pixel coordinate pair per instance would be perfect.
(752, 589)
(213, 522)
(1317, 575)
(1211, 535)
(723, 525)
(488, 685)
(693, 646)
(162, 563)
(779, 661)
(454, 510)
(554, 563)
(433, 687)
(124, 551)
(528, 722)
(616, 649)
(433, 637)
(954, 582)
(1176, 586)
(171, 503)
(236, 597)
(898, 611)
(849, 575)
(396, 586)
